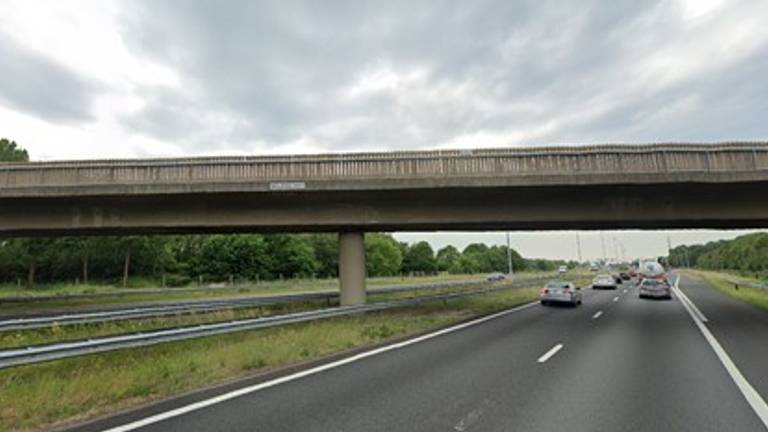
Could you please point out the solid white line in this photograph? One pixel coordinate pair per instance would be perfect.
(357, 357)
(550, 353)
(684, 298)
(750, 394)
(597, 315)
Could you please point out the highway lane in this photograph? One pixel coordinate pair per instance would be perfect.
(740, 327)
(624, 364)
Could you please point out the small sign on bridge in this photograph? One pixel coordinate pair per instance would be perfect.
(287, 186)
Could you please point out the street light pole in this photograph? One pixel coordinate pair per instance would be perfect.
(578, 247)
(509, 256)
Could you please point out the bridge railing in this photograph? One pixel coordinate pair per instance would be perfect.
(606, 159)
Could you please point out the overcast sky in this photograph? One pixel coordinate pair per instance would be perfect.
(140, 78)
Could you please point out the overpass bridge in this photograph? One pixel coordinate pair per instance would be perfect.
(581, 187)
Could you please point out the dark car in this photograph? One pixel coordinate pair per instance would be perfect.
(495, 277)
(625, 276)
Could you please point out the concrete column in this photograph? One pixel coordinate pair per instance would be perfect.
(352, 268)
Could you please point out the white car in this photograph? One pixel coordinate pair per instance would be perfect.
(604, 281)
(560, 292)
(562, 269)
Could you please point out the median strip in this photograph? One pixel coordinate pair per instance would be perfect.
(36, 354)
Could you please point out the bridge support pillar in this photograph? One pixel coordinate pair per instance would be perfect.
(352, 268)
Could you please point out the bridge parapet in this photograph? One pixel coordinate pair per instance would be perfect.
(498, 162)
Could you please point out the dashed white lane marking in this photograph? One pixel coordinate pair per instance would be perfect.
(597, 315)
(750, 394)
(298, 375)
(625, 290)
(616, 298)
(550, 353)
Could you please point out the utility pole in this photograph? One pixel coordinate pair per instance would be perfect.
(669, 250)
(623, 251)
(578, 246)
(509, 256)
(602, 243)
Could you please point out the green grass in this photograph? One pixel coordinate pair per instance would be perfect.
(22, 338)
(65, 288)
(722, 281)
(38, 397)
(264, 288)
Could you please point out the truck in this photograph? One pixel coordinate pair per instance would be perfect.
(652, 270)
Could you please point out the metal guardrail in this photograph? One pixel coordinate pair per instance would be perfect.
(42, 353)
(22, 298)
(198, 306)
(737, 283)
(151, 291)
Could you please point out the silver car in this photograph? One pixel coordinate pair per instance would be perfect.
(655, 288)
(560, 292)
(604, 281)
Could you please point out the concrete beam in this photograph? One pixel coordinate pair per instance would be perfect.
(652, 206)
(352, 268)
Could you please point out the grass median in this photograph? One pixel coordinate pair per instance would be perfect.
(39, 397)
(73, 332)
(100, 295)
(735, 286)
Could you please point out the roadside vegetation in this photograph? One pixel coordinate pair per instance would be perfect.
(96, 384)
(737, 267)
(746, 255)
(738, 287)
(20, 304)
(40, 266)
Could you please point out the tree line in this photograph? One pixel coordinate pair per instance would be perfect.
(183, 259)
(747, 253)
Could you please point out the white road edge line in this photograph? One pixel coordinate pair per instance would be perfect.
(550, 353)
(684, 298)
(750, 394)
(597, 315)
(275, 382)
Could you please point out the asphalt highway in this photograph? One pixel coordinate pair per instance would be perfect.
(617, 363)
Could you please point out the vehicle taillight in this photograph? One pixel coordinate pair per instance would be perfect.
(545, 291)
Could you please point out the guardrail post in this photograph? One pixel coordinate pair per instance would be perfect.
(352, 268)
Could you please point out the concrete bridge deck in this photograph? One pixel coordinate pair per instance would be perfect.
(590, 187)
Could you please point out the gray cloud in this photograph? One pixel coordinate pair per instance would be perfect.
(37, 85)
(269, 72)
